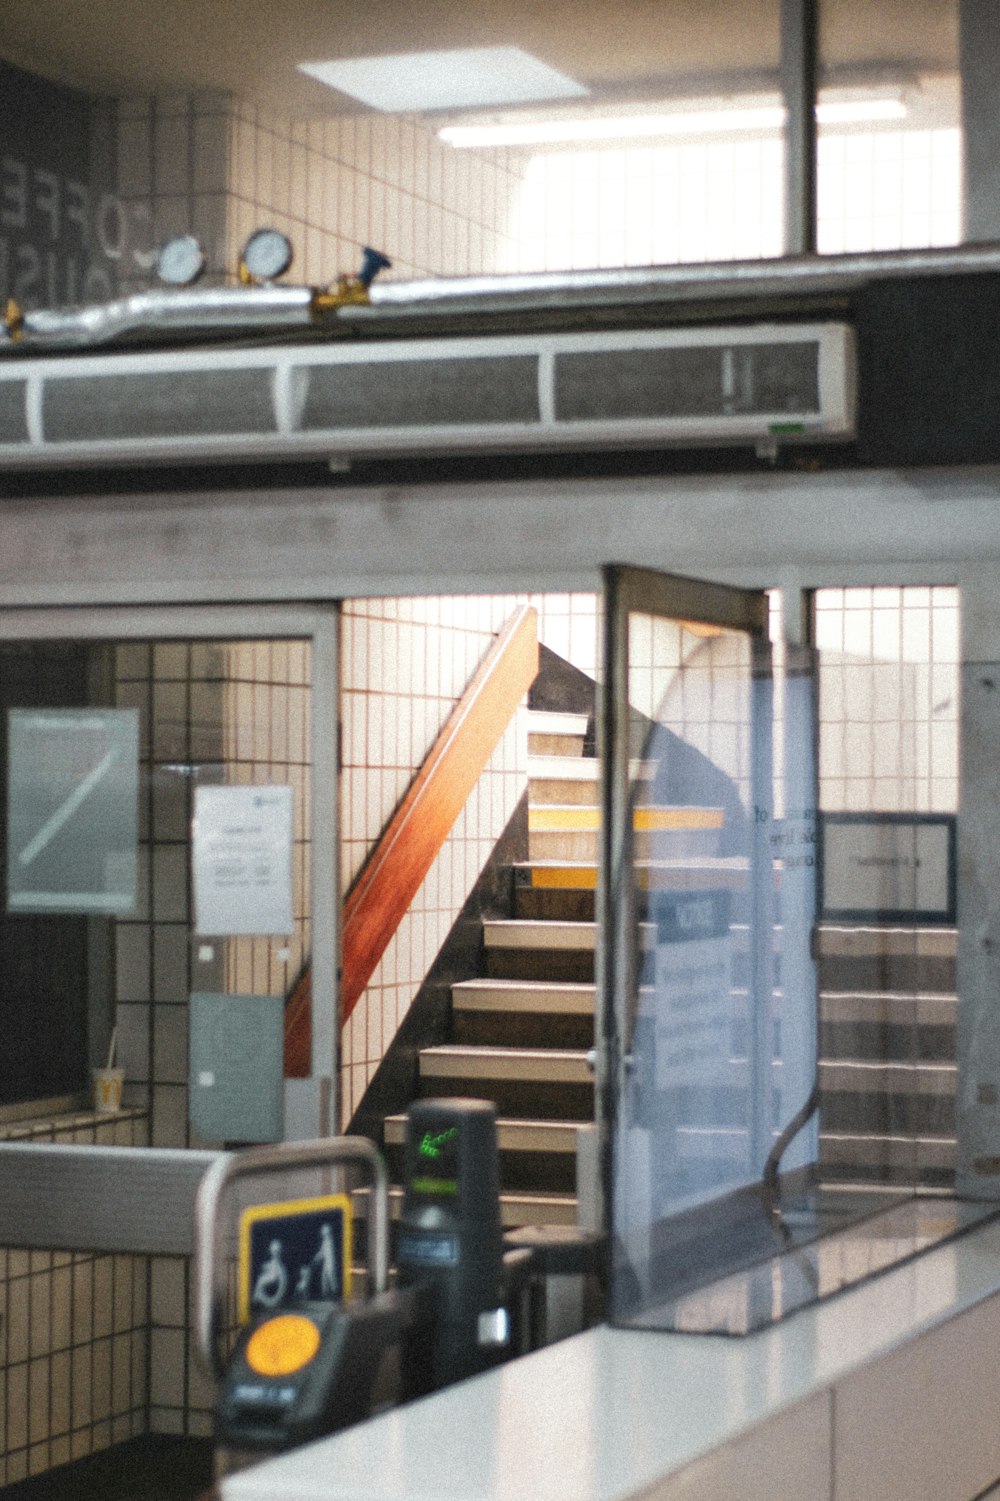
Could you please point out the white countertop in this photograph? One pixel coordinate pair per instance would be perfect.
(608, 1413)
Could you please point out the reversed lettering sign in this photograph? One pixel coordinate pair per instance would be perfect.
(880, 867)
(72, 799)
(693, 987)
(242, 859)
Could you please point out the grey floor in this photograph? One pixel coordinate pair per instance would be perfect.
(153, 1469)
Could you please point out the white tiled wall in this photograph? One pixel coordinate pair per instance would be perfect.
(266, 717)
(205, 164)
(173, 166)
(73, 1331)
(889, 664)
(334, 185)
(569, 624)
(208, 164)
(209, 712)
(405, 664)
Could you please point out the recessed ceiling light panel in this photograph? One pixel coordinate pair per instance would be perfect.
(460, 78)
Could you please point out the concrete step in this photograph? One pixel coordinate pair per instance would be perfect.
(546, 937)
(539, 950)
(518, 997)
(512, 1135)
(518, 1208)
(574, 779)
(698, 873)
(915, 961)
(552, 734)
(566, 889)
(523, 1013)
(524, 1083)
(569, 832)
(892, 1027)
(870, 1076)
(889, 1159)
(528, 1065)
(537, 1160)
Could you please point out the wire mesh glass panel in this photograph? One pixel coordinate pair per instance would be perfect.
(702, 1091)
(888, 678)
(889, 170)
(779, 996)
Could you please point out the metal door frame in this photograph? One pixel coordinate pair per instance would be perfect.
(627, 589)
(320, 624)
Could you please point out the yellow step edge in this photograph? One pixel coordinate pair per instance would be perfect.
(565, 878)
(548, 819)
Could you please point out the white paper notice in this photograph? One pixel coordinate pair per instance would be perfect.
(242, 860)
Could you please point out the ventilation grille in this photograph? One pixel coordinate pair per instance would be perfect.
(696, 387)
(13, 418)
(158, 404)
(421, 393)
(758, 379)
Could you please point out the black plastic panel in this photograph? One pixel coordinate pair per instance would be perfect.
(423, 393)
(13, 423)
(929, 371)
(704, 381)
(158, 404)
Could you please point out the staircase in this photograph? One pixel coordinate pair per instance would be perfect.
(888, 1070)
(522, 1028)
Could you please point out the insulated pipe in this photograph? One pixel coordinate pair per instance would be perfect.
(575, 290)
(221, 310)
(271, 310)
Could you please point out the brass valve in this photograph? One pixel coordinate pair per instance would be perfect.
(351, 290)
(13, 318)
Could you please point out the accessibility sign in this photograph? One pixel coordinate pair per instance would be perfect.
(298, 1251)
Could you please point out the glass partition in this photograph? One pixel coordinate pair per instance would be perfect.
(168, 835)
(711, 1070)
(888, 679)
(156, 820)
(889, 151)
(777, 1073)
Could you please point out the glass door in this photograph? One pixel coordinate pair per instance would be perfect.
(706, 1069)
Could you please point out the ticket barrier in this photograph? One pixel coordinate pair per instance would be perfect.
(308, 1357)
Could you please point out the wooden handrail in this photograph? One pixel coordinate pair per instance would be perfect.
(391, 876)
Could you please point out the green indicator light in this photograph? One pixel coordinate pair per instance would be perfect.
(787, 427)
(434, 1186)
(431, 1145)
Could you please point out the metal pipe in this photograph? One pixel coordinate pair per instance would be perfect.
(264, 311)
(173, 312)
(559, 290)
(799, 35)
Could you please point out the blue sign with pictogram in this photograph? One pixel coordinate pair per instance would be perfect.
(295, 1252)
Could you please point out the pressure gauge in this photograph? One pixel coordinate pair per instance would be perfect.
(267, 254)
(180, 261)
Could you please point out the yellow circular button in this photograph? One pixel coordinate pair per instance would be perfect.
(283, 1345)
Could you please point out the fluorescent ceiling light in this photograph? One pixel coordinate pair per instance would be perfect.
(461, 78)
(860, 111)
(694, 122)
(613, 128)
